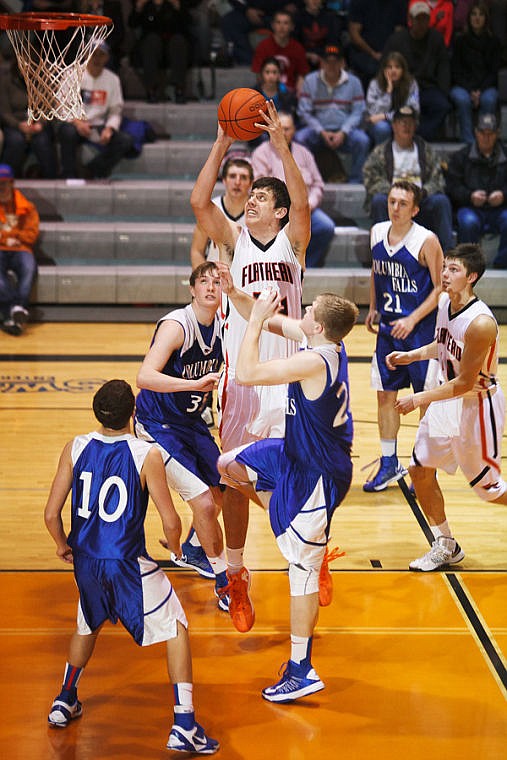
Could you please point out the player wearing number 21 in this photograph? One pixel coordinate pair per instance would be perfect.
(404, 288)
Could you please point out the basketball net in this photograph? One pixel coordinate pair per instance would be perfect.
(52, 63)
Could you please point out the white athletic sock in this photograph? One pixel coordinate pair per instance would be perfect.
(183, 694)
(388, 448)
(218, 564)
(299, 648)
(441, 530)
(235, 559)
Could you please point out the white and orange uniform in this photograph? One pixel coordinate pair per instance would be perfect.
(250, 413)
(465, 432)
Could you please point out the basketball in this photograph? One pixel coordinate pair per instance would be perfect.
(239, 110)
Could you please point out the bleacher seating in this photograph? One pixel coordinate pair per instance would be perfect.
(127, 240)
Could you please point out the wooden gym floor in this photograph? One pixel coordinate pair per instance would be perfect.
(414, 664)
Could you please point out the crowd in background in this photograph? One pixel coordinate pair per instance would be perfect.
(369, 87)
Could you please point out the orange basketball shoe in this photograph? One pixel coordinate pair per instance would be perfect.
(325, 579)
(241, 608)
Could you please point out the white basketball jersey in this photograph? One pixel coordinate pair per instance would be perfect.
(254, 268)
(450, 336)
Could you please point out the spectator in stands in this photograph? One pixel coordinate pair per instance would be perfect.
(475, 62)
(19, 230)
(165, 28)
(461, 10)
(103, 102)
(116, 37)
(289, 52)
(272, 88)
(331, 108)
(428, 60)
(370, 25)
(237, 177)
(20, 137)
(266, 162)
(392, 88)
(477, 186)
(498, 15)
(408, 157)
(247, 17)
(441, 17)
(317, 26)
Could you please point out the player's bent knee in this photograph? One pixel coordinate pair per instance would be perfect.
(490, 491)
(303, 580)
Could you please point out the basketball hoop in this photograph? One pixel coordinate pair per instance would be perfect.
(52, 50)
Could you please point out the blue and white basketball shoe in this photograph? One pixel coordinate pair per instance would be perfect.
(192, 740)
(298, 680)
(62, 713)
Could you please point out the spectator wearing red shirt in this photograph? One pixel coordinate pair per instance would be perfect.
(289, 52)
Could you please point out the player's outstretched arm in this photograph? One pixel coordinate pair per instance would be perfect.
(60, 489)
(479, 338)
(154, 474)
(212, 221)
(278, 324)
(198, 247)
(249, 369)
(298, 228)
(397, 358)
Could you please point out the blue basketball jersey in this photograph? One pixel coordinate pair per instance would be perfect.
(200, 354)
(316, 428)
(108, 502)
(401, 283)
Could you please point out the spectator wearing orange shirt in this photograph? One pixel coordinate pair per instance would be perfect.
(19, 229)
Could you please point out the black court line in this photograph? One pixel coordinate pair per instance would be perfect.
(60, 358)
(127, 358)
(460, 593)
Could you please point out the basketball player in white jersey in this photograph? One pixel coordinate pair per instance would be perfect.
(111, 475)
(464, 422)
(268, 252)
(237, 178)
(404, 289)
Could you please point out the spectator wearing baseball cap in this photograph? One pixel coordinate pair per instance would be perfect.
(441, 13)
(408, 157)
(428, 61)
(331, 108)
(477, 187)
(19, 230)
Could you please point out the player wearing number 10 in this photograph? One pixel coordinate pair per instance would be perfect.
(404, 287)
(111, 474)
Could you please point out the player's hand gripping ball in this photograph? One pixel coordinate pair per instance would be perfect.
(238, 111)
